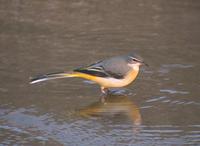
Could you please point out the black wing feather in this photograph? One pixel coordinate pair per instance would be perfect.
(98, 70)
(92, 72)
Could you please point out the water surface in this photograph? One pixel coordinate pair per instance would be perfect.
(160, 108)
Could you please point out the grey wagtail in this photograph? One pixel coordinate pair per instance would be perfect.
(113, 72)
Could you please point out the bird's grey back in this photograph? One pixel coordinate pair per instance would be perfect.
(112, 67)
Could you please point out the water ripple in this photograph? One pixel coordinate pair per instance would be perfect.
(171, 91)
(156, 99)
(177, 65)
(165, 68)
(14, 129)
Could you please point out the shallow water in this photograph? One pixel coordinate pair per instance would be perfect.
(160, 108)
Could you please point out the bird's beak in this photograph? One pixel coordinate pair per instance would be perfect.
(143, 63)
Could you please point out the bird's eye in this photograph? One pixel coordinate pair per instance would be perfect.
(135, 59)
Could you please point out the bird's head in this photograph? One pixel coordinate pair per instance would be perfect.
(135, 61)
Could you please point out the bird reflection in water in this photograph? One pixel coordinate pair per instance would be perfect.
(114, 105)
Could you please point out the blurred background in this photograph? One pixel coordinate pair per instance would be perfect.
(160, 108)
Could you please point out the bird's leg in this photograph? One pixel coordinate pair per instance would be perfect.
(104, 94)
(104, 90)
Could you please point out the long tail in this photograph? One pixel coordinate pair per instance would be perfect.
(51, 76)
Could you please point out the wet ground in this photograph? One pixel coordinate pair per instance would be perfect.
(160, 108)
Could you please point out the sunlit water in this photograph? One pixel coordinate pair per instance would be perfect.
(160, 108)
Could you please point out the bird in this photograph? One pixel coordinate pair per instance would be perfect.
(113, 72)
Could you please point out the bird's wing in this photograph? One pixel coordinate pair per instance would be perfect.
(97, 69)
(116, 67)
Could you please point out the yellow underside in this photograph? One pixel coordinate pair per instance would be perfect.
(107, 82)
